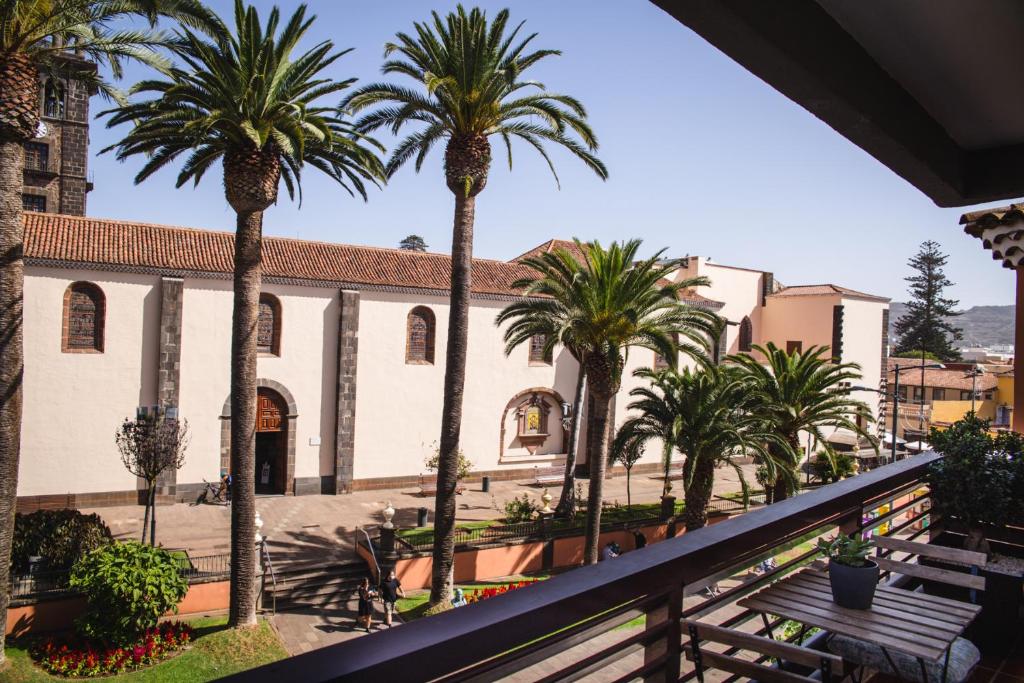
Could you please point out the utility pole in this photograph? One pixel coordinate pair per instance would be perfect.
(895, 409)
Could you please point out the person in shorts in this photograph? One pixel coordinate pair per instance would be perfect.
(390, 591)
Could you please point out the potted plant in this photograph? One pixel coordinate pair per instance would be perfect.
(852, 575)
(979, 482)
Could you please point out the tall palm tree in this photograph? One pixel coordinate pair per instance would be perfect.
(801, 392)
(36, 37)
(469, 87)
(602, 306)
(714, 420)
(251, 100)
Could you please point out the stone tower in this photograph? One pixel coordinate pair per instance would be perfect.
(57, 161)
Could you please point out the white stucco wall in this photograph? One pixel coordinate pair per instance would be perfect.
(398, 405)
(740, 290)
(798, 318)
(306, 367)
(74, 402)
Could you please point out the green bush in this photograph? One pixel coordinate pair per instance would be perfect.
(829, 469)
(464, 467)
(980, 479)
(127, 587)
(60, 537)
(520, 510)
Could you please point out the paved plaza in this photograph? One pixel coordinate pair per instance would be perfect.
(300, 528)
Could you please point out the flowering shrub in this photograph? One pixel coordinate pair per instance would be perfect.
(127, 587)
(483, 593)
(82, 658)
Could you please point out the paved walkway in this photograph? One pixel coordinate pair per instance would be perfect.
(308, 629)
(323, 527)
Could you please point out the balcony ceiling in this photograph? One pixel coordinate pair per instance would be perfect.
(927, 87)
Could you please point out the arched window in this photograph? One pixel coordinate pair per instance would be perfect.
(746, 334)
(538, 356)
(419, 336)
(268, 328)
(85, 310)
(53, 99)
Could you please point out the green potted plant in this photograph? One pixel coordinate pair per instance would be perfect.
(851, 573)
(979, 482)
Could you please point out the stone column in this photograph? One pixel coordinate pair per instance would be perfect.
(348, 353)
(169, 360)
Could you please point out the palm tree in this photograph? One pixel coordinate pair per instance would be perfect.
(601, 307)
(801, 392)
(247, 99)
(469, 88)
(36, 36)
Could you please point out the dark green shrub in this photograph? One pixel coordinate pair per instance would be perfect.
(60, 537)
(832, 469)
(980, 479)
(520, 510)
(127, 587)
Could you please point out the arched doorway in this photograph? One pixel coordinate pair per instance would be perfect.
(271, 442)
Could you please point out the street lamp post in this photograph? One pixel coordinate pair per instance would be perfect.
(973, 374)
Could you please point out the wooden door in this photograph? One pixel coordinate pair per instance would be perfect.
(269, 416)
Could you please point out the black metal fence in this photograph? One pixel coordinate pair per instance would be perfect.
(47, 584)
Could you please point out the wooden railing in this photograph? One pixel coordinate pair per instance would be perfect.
(568, 627)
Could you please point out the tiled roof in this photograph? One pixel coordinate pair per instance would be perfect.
(550, 246)
(1000, 231)
(130, 245)
(938, 377)
(824, 290)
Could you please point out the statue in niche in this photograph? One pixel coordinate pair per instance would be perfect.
(533, 422)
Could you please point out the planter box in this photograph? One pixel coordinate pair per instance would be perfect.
(1000, 620)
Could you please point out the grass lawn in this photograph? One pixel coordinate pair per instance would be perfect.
(217, 651)
(415, 604)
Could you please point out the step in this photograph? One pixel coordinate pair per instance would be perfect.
(292, 572)
(346, 587)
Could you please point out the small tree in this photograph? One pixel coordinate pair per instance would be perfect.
(413, 243)
(150, 445)
(627, 449)
(462, 471)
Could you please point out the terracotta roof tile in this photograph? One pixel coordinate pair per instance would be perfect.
(551, 245)
(821, 290)
(938, 377)
(53, 237)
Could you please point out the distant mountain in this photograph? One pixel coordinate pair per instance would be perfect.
(982, 325)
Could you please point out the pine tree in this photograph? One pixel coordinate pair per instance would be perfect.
(413, 243)
(925, 326)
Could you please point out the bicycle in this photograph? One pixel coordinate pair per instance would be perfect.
(215, 494)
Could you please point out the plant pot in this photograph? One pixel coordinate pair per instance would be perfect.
(853, 587)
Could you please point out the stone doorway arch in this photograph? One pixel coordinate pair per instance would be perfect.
(279, 438)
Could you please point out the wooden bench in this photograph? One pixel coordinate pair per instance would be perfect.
(548, 475)
(796, 664)
(428, 485)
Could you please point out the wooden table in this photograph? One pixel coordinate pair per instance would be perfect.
(921, 626)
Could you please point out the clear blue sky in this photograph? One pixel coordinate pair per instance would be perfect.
(704, 158)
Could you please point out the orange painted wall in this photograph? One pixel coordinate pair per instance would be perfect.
(492, 563)
(58, 615)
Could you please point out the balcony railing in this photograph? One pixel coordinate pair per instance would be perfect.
(571, 626)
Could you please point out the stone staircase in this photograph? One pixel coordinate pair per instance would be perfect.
(316, 585)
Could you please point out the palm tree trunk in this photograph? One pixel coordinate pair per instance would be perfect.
(782, 488)
(451, 412)
(629, 498)
(567, 500)
(666, 464)
(700, 472)
(248, 258)
(598, 462)
(12, 273)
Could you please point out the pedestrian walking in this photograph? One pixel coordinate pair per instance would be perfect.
(366, 596)
(390, 591)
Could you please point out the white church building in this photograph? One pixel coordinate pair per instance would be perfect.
(351, 366)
